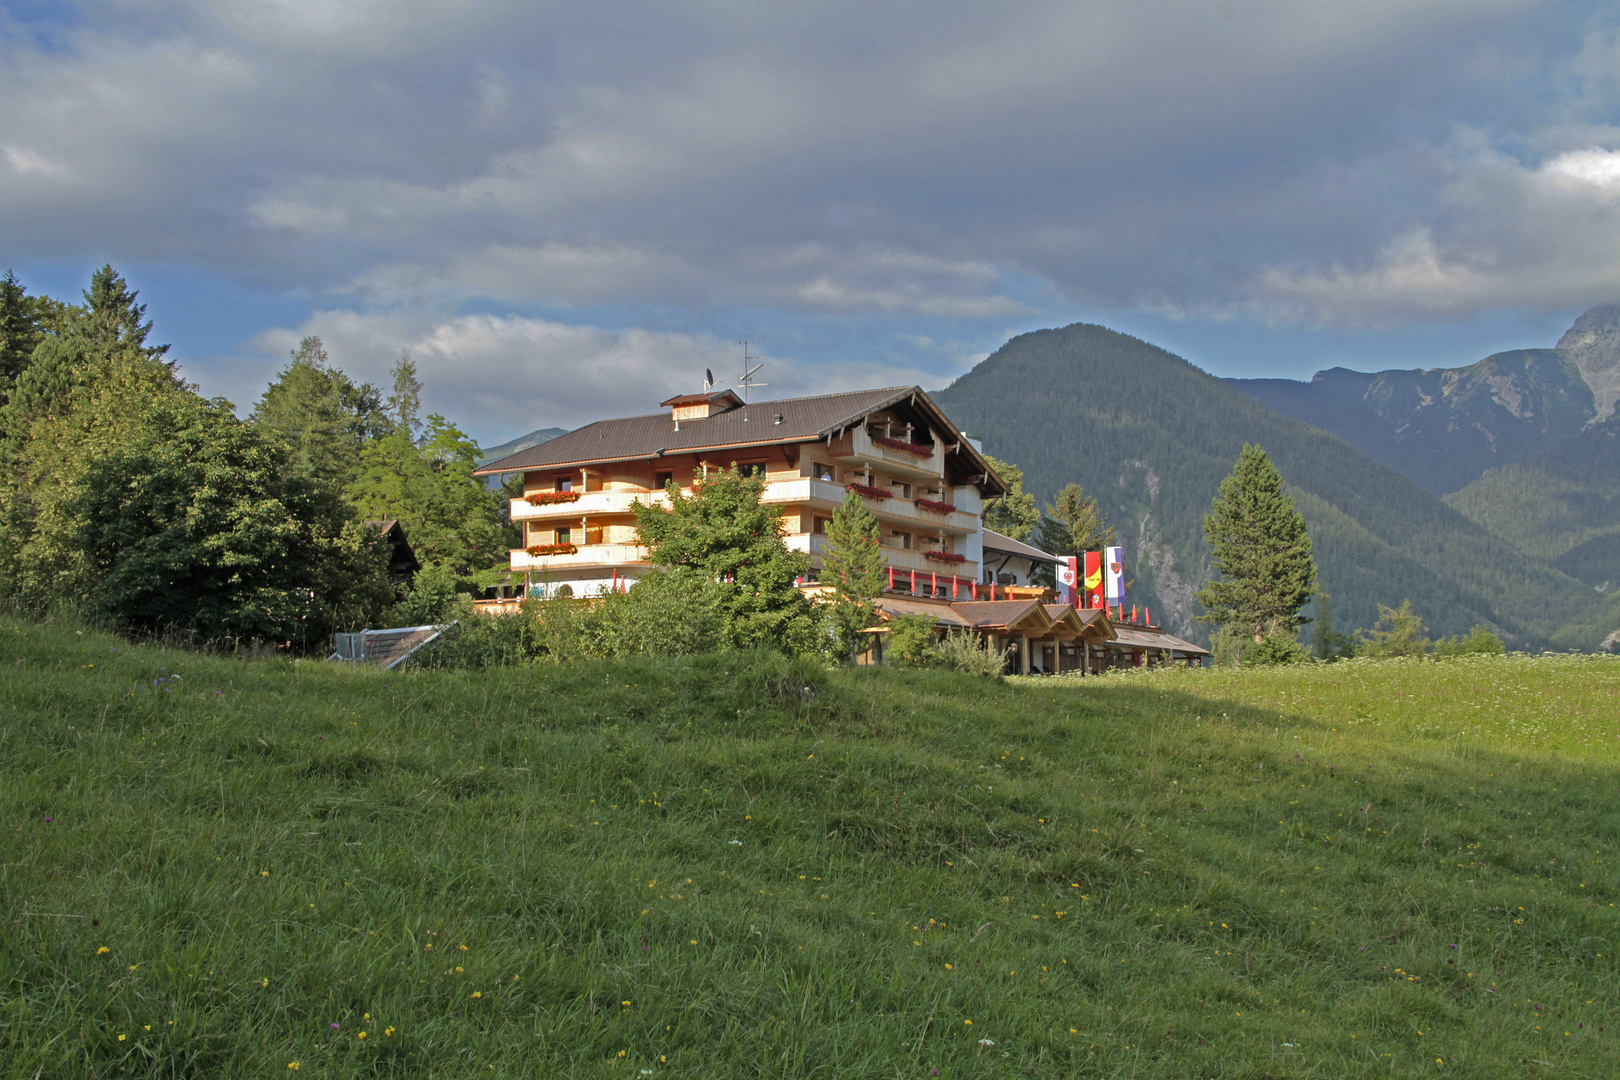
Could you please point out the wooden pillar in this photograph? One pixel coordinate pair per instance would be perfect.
(1023, 654)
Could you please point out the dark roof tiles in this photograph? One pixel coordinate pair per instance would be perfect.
(746, 425)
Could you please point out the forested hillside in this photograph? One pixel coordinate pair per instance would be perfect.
(1562, 505)
(1151, 436)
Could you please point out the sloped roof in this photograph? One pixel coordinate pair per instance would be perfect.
(991, 614)
(802, 419)
(648, 436)
(994, 541)
(1153, 639)
(893, 607)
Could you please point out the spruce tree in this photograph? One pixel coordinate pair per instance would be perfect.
(321, 413)
(114, 319)
(1258, 541)
(19, 329)
(1072, 524)
(853, 564)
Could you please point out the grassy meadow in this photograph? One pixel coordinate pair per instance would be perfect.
(739, 866)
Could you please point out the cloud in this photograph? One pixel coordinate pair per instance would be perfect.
(1386, 160)
(502, 376)
(1506, 234)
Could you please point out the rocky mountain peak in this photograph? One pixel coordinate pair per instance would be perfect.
(1593, 343)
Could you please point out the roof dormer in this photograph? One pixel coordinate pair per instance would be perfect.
(701, 406)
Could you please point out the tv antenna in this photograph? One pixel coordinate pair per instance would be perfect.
(747, 381)
(708, 380)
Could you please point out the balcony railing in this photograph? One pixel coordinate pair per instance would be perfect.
(801, 491)
(587, 555)
(862, 448)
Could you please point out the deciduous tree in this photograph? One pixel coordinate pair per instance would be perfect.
(1016, 514)
(723, 531)
(453, 520)
(196, 524)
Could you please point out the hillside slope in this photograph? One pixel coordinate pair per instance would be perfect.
(734, 866)
(522, 442)
(1151, 437)
(1556, 503)
(1441, 428)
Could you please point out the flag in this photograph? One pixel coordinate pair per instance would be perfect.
(1114, 575)
(1067, 574)
(1094, 579)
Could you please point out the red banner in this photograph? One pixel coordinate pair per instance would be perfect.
(1094, 579)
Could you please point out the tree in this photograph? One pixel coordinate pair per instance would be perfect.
(1327, 643)
(723, 531)
(324, 417)
(19, 330)
(853, 564)
(198, 525)
(1015, 514)
(1072, 525)
(1259, 543)
(1404, 636)
(113, 318)
(1479, 642)
(67, 410)
(405, 403)
(453, 519)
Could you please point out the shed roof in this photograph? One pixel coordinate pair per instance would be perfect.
(994, 541)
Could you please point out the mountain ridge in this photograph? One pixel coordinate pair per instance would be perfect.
(1150, 436)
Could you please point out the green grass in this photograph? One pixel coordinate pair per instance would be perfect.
(736, 866)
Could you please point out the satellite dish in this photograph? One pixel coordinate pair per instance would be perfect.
(708, 378)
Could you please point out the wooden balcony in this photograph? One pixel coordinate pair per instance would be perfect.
(862, 450)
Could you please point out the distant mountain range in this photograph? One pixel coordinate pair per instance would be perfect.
(1442, 428)
(522, 442)
(1151, 437)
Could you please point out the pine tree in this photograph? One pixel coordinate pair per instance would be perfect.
(114, 319)
(1259, 543)
(853, 564)
(1015, 514)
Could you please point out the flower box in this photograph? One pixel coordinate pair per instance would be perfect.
(868, 491)
(944, 556)
(547, 498)
(935, 505)
(554, 549)
(901, 444)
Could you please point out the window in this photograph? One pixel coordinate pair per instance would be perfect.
(662, 480)
(901, 490)
(900, 539)
(824, 472)
(819, 525)
(562, 536)
(565, 483)
(751, 468)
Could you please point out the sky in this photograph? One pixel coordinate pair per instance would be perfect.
(569, 211)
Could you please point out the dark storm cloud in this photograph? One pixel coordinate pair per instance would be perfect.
(1375, 162)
